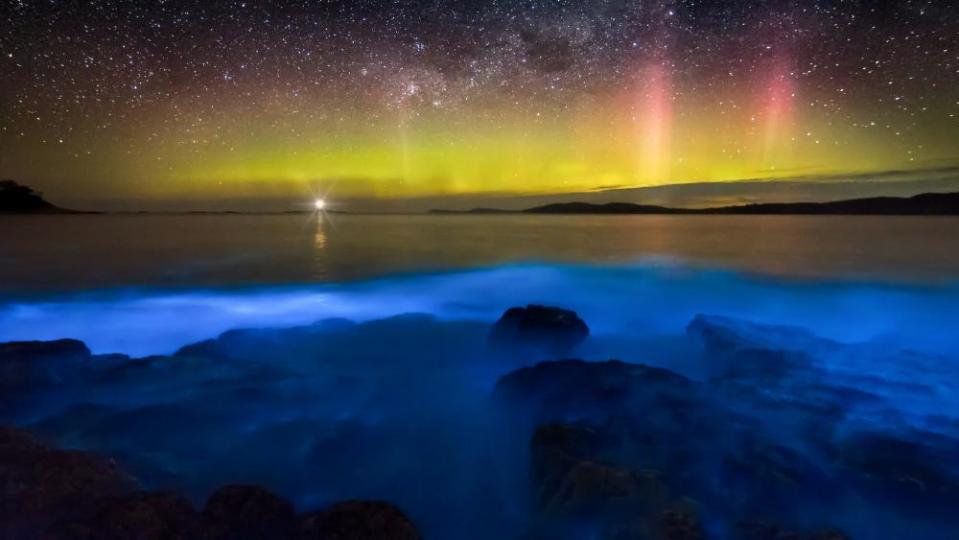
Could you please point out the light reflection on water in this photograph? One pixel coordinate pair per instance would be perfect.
(319, 244)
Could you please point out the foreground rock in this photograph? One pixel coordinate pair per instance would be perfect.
(52, 494)
(247, 513)
(638, 452)
(551, 330)
(358, 520)
(27, 365)
(145, 516)
(41, 485)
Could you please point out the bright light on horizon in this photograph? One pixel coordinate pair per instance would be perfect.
(320, 204)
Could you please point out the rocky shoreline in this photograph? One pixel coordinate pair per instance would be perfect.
(774, 444)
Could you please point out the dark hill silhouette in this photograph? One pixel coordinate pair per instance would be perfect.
(19, 199)
(472, 211)
(924, 204)
(608, 208)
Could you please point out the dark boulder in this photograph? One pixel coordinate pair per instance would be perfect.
(358, 520)
(41, 485)
(144, 516)
(241, 512)
(550, 330)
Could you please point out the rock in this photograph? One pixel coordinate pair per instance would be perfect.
(551, 330)
(677, 524)
(144, 516)
(726, 334)
(26, 350)
(358, 520)
(646, 414)
(766, 478)
(552, 391)
(40, 485)
(597, 488)
(554, 450)
(28, 369)
(915, 471)
(764, 530)
(742, 349)
(242, 512)
(24, 365)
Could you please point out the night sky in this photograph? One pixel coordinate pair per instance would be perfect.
(180, 99)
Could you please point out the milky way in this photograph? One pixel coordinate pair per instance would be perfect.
(172, 98)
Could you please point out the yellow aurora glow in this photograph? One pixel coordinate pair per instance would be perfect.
(654, 133)
(651, 142)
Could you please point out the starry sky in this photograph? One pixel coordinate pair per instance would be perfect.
(177, 99)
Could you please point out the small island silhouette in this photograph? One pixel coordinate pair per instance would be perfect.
(20, 199)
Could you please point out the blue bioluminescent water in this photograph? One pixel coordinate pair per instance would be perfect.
(382, 389)
(641, 299)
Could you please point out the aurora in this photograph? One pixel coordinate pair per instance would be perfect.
(183, 100)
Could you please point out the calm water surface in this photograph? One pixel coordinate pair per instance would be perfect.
(68, 253)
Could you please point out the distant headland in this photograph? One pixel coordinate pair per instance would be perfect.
(924, 204)
(16, 198)
(19, 199)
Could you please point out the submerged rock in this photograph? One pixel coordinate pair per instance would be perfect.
(242, 512)
(358, 520)
(552, 330)
(745, 350)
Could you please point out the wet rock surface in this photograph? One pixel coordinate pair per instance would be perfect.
(42, 484)
(54, 494)
(358, 520)
(144, 515)
(246, 513)
(787, 436)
